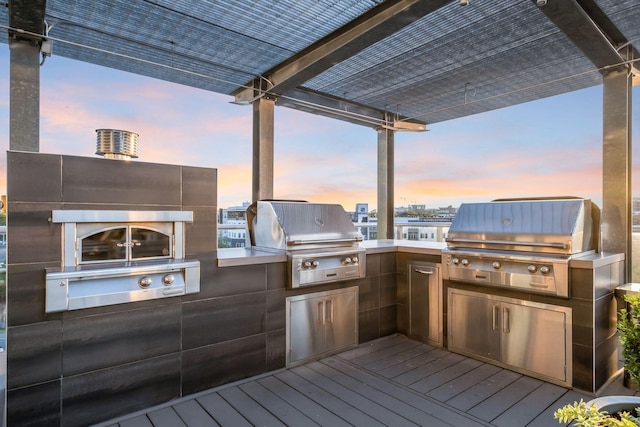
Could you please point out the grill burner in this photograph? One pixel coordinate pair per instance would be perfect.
(521, 243)
(320, 240)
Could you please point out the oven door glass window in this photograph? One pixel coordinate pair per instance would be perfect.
(105, 245)
(147, 243)
(101, 242)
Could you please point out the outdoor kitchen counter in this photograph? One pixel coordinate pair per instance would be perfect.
(232, 257)
(591, 261)
(411, 246)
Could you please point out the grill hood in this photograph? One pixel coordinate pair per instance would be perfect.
(565, 225)
(292, 225)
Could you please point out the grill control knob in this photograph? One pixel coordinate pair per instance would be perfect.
(355, 259)
(455, 261)
(496, 265)
(465, 262)
(306, 264)
(314, 264)
(545, 269)
(144, 282)
(532, 269)
(347, 260)
(168, 279)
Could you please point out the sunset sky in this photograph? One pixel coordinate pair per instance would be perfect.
(544, 148)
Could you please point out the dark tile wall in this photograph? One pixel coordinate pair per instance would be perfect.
(378, 298)
(85, 366)
(594, 309)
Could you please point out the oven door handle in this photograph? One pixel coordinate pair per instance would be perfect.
(560, 245)
(417, 270)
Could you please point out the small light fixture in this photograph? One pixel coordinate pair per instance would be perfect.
(541, 3)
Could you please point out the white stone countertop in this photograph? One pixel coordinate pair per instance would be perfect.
(231, 257)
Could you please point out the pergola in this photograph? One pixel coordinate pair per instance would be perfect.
(393, 65)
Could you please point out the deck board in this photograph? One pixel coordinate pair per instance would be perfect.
(165, 417)
(369, 408)
(380, 364)
(331, 396)
(527, 409)
(495, 405)
(482, 391)
(222, 412)
(445, 375)
(316, 412)
(194, 415)
(463, 383)
(393, 381)
(255, 413)
(427, 411)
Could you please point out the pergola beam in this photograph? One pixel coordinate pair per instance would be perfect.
(287, 78)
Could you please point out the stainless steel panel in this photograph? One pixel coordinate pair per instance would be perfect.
(538, 274)
(425, 303)
(559, 226)
(73, 216)
(473, 325)
(74, 289)
(305, 327)
(326, 266)
(534, 338)
(342, 320)
(321, 323)
(528, 337)
(288, 225)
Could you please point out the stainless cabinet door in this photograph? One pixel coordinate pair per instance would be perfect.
(306, 329)
(425, 302)
(342, 320)
(534, 339)
(474, 325)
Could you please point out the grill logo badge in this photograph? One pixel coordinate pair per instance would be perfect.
(319, 222)
(506, 222)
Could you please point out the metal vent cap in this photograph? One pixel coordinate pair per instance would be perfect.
(116, 144)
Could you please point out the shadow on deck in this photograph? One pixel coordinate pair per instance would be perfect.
(393, 381)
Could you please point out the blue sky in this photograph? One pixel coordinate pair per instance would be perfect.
(544, 148)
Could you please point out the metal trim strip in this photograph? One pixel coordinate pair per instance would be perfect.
(74, 216)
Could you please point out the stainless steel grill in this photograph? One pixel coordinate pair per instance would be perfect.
(521, 243)
(321, 242)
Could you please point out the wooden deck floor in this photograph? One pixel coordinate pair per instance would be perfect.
(393, 381)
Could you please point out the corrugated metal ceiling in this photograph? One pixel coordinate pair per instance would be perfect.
(424, 60)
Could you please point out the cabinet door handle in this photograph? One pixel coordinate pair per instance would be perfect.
(494, 318)
(505, 320)
(322, 313)
(330, 310)
(423, 271)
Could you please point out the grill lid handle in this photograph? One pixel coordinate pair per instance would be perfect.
(560, 245)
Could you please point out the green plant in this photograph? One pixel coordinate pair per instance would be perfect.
(629, 332)
(590, 416)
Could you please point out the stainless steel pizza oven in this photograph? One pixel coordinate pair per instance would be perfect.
(112, 257)
(321, 242)
(523, 244)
